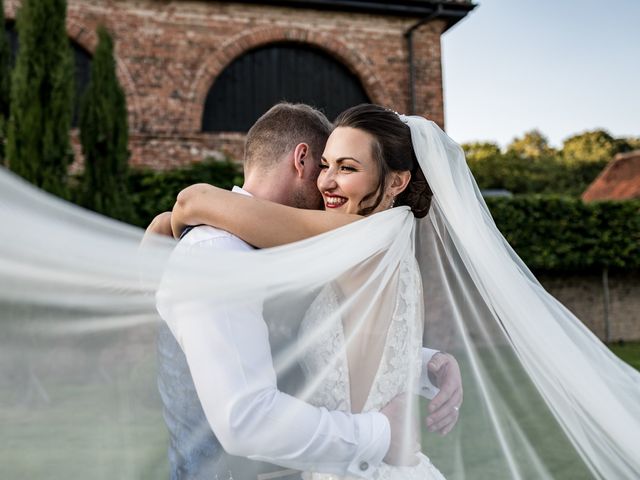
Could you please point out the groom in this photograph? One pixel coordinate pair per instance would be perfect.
(282, 158)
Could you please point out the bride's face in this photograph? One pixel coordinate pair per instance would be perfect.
(348, 170)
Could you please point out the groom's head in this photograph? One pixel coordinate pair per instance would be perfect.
(282, 155)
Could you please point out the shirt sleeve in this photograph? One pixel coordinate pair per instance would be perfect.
(229, 356)
(427, 388)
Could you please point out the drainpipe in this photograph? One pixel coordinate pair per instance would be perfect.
(409, 36)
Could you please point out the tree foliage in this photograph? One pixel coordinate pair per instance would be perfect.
(596, 146)
(481, 151)
(5, 83)
(533, 145)
(531, 166)
(104, 136)
(38, 146)
(633, 142)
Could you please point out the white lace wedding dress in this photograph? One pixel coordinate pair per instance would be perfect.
(399, 366)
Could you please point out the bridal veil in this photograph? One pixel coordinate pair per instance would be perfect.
(543, 397)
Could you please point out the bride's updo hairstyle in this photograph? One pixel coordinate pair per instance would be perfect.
(393, 152)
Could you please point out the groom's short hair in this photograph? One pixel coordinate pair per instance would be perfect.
(280, 129)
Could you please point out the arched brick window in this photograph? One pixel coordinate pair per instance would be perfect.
(266, 75)
(82, 60)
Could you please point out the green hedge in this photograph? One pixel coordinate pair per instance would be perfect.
(155, 191)
(549, 233)
(546, 175)
(560, 233)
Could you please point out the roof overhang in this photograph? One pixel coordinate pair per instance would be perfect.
(451, 11)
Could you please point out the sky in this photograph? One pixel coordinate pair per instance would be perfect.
(559, 66)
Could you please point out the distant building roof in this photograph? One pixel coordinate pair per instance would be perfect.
(620, 179)
(450, 10)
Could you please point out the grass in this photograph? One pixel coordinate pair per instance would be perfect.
(629, 352)
(97, 426)
(114, 429)
(526, 425)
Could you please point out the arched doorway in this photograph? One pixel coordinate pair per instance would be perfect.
(294, 72)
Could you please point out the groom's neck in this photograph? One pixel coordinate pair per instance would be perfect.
(268, 186)
(266, 190)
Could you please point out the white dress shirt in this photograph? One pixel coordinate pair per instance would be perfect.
(229, 357)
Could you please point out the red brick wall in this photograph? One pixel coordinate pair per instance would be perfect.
(170, 52)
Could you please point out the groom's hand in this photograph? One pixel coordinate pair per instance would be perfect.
(404, 445)
(444, 408)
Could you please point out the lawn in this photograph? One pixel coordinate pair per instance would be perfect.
(629, 352)
(527, 426)
(115, 430)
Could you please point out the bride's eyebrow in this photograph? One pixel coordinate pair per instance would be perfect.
(342, 159)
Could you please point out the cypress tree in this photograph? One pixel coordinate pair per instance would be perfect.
(5, 83)
(38, 146)
(104, 135)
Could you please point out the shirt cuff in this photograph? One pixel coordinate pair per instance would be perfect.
(374, 439)
(427, 389)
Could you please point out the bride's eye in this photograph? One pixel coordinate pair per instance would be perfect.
(347, 168)
(323, 166)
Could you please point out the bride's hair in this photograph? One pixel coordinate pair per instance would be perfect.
(393, 152)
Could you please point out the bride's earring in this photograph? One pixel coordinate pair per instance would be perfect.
(393, 202)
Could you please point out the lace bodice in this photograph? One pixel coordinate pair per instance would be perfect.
(325, 362)
(325, 359)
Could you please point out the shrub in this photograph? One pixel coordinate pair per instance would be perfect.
(104, 136)
(155, 191)
(559, 233)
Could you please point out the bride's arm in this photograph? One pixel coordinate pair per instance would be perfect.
(258, 222)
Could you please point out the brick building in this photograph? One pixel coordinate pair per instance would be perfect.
(197, 72)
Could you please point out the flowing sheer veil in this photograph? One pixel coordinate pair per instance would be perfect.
(78, 325)
(524, 351)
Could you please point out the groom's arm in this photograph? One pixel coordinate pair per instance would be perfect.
(230, 361)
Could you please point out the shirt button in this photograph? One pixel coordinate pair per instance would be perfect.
(364, 466)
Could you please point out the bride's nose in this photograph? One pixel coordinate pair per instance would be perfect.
(327, 179)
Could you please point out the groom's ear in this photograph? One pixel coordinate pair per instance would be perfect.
(301, 155)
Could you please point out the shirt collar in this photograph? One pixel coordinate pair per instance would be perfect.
(240, 190)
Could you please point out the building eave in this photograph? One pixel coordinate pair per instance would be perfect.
(450, 11)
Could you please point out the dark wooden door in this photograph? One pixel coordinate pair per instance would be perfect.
(252, 83)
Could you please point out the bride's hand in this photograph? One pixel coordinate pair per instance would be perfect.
(160, 225)
(405, 445)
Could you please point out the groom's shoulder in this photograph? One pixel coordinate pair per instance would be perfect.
(205, 234)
